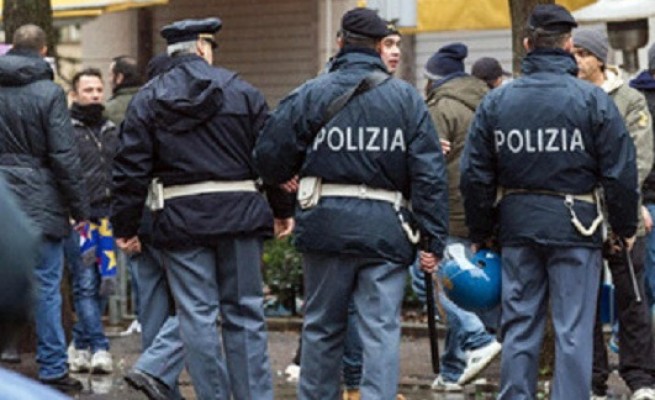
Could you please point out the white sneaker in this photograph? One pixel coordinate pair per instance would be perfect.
(441, 385)
(81, 362)
(477, 360)
(135, 327)
(292, 373)
(644, 393)
(102, 363)
(71, 352)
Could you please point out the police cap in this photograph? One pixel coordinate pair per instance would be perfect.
(551, 17)
(365, 22)
(192, 29)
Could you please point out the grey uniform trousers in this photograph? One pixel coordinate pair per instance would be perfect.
(163, 352)
(569, 277)
(225, 279)
(376, 286)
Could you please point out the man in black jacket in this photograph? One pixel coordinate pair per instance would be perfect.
(193, 129)
(39, 160)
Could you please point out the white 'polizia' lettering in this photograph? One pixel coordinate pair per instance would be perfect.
(370, 138)
(543, 140)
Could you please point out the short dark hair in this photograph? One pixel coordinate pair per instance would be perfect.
(29, 37)
(355, 40)
(90, 71)
(542, 39)
(127, 66)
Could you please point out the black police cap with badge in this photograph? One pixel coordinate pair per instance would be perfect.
(364, 22)
(192, 29)
(551, 18)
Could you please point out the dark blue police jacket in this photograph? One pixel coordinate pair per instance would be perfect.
(383, 138)
(191, 124)
(547, 131)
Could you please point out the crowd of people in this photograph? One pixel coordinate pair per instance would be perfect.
(187, 172)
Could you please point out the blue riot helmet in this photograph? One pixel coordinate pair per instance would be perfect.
(473, 284)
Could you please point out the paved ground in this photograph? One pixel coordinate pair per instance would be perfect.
(415, 370)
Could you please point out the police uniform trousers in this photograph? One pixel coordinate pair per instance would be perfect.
(636, 352)
(225, 279)
(569, 277)
(163, 352)
(376, 286)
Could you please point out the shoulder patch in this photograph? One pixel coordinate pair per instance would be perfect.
(643, 119)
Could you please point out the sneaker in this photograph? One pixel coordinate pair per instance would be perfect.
(152, 387)
(81, 362)
(442, 385)
(613, 344)
(10, 355)
(597, 397)
(102, 363)
(135, 327)
(477, 360)
(63, 384)
(351, 394)
(644, 393)
(71, 352)
(292, 373)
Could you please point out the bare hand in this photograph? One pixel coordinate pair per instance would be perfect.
(283, 227)
(445, 146)
(290, 186)
(129, 245)
(78, 226)
(648, 220)
(630, 242)
(428, 261)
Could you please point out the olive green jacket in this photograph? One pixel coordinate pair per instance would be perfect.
(117, 104)
(634, 109)
(452, 107)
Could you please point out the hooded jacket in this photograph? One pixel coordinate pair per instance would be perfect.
(645, 83)
(452, 107)
(548, 131)
(38, 156)
(191, 124)
(383, 138)
(634, 110)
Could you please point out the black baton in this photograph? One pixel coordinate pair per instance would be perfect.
(631, 269)
(432, 327)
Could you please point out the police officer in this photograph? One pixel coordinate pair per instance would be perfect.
(358, 169)
(189, 133)
(544, 142)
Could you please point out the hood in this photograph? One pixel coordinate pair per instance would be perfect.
(22, 68)
(643, 81)
(187, 95)
(549, 60)
(468, 90)
(613, 79)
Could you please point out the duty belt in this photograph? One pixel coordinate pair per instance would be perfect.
(569, 200)
(312, 189)
(157, 192)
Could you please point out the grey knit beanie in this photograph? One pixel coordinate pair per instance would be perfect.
(593, 40)
(651, 58)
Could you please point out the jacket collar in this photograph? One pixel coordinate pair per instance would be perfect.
(549, 60)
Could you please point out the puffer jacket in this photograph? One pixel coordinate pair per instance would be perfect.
(546, 134)
(383, 138)
(97, 152)
(452, 107)
(645, 83)
(190, 124)
(38, 155)
(634, 110)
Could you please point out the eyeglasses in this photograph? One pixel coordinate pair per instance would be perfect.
(582, 53)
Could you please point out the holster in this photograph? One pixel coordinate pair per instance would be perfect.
(155, 198)
(309, 191)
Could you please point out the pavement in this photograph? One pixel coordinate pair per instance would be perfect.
(416, 371)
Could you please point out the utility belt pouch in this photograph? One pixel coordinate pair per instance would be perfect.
(309, 192)
(155, 198)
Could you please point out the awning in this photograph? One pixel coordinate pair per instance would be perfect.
(447, 15)
(93, 8)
